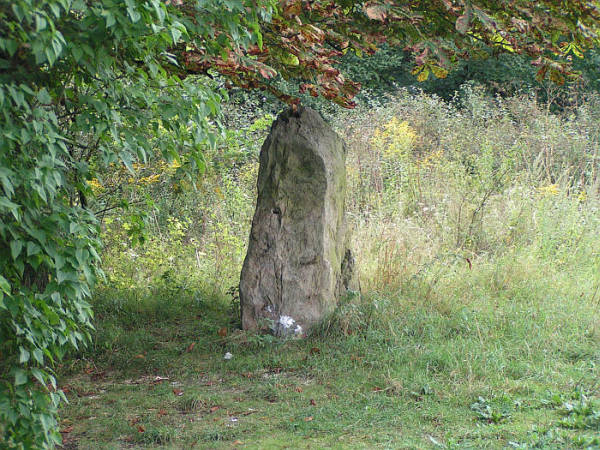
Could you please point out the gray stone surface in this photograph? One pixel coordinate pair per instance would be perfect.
(297, 265)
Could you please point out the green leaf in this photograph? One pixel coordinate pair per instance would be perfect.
(20, 377)
(23, 355)
(43, 97)
(11, 46)
(40, 23)
(15, 248)
(4, 285)
(13, 207)
(175, 34)
(38, 355)
(33, 249)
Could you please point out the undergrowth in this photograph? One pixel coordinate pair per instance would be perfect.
(475, 229)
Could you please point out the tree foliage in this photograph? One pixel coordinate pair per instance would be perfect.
(89, 84)
(305, 40)
(83, 85)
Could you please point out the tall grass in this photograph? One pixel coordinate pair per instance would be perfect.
(481, 182)
(474, 226)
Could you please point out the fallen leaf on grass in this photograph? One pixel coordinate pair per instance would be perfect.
(308, 419)
(214, 408)
(66, 430)
(140, 356)
(141, 429)
(190, 347)
(315, 350)
(312, 402)
(238, 442)
(298, 389)
(222, 332)
(133, 421)
(178, 392)
(98, 375)
(376, 389)
(162, 412)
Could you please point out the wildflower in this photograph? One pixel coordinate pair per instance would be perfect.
(286, 321)
(549, 190)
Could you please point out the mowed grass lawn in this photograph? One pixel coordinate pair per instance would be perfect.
(503, 354)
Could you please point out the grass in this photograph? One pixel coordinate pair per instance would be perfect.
(462, 368)
(475, 231)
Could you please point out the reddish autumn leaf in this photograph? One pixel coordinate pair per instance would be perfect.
(177, 392)
(141, 429)
(140, 356)
(237, 442)
(190, 347)
(462, 24)
(308, 419)
(375, 12)
(214, 408)
(66, 430)
(298, 389)
(222, 332)
(315, 350)
(266, 72)
(162, 412)
(312, 402)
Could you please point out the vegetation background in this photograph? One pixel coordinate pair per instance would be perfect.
(474, 224)
(473, 200)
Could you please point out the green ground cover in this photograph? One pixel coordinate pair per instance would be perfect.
(476, 233)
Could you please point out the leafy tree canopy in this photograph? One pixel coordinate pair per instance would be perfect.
(305, 40)
(89, 84)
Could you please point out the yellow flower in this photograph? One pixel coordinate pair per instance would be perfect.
(96, 186)
(150, 179)
(549, 190)
(395, 139)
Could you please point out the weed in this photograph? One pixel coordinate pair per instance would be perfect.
(494, 412)
(581, 415)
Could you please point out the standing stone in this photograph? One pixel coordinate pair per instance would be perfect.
(297, 264)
